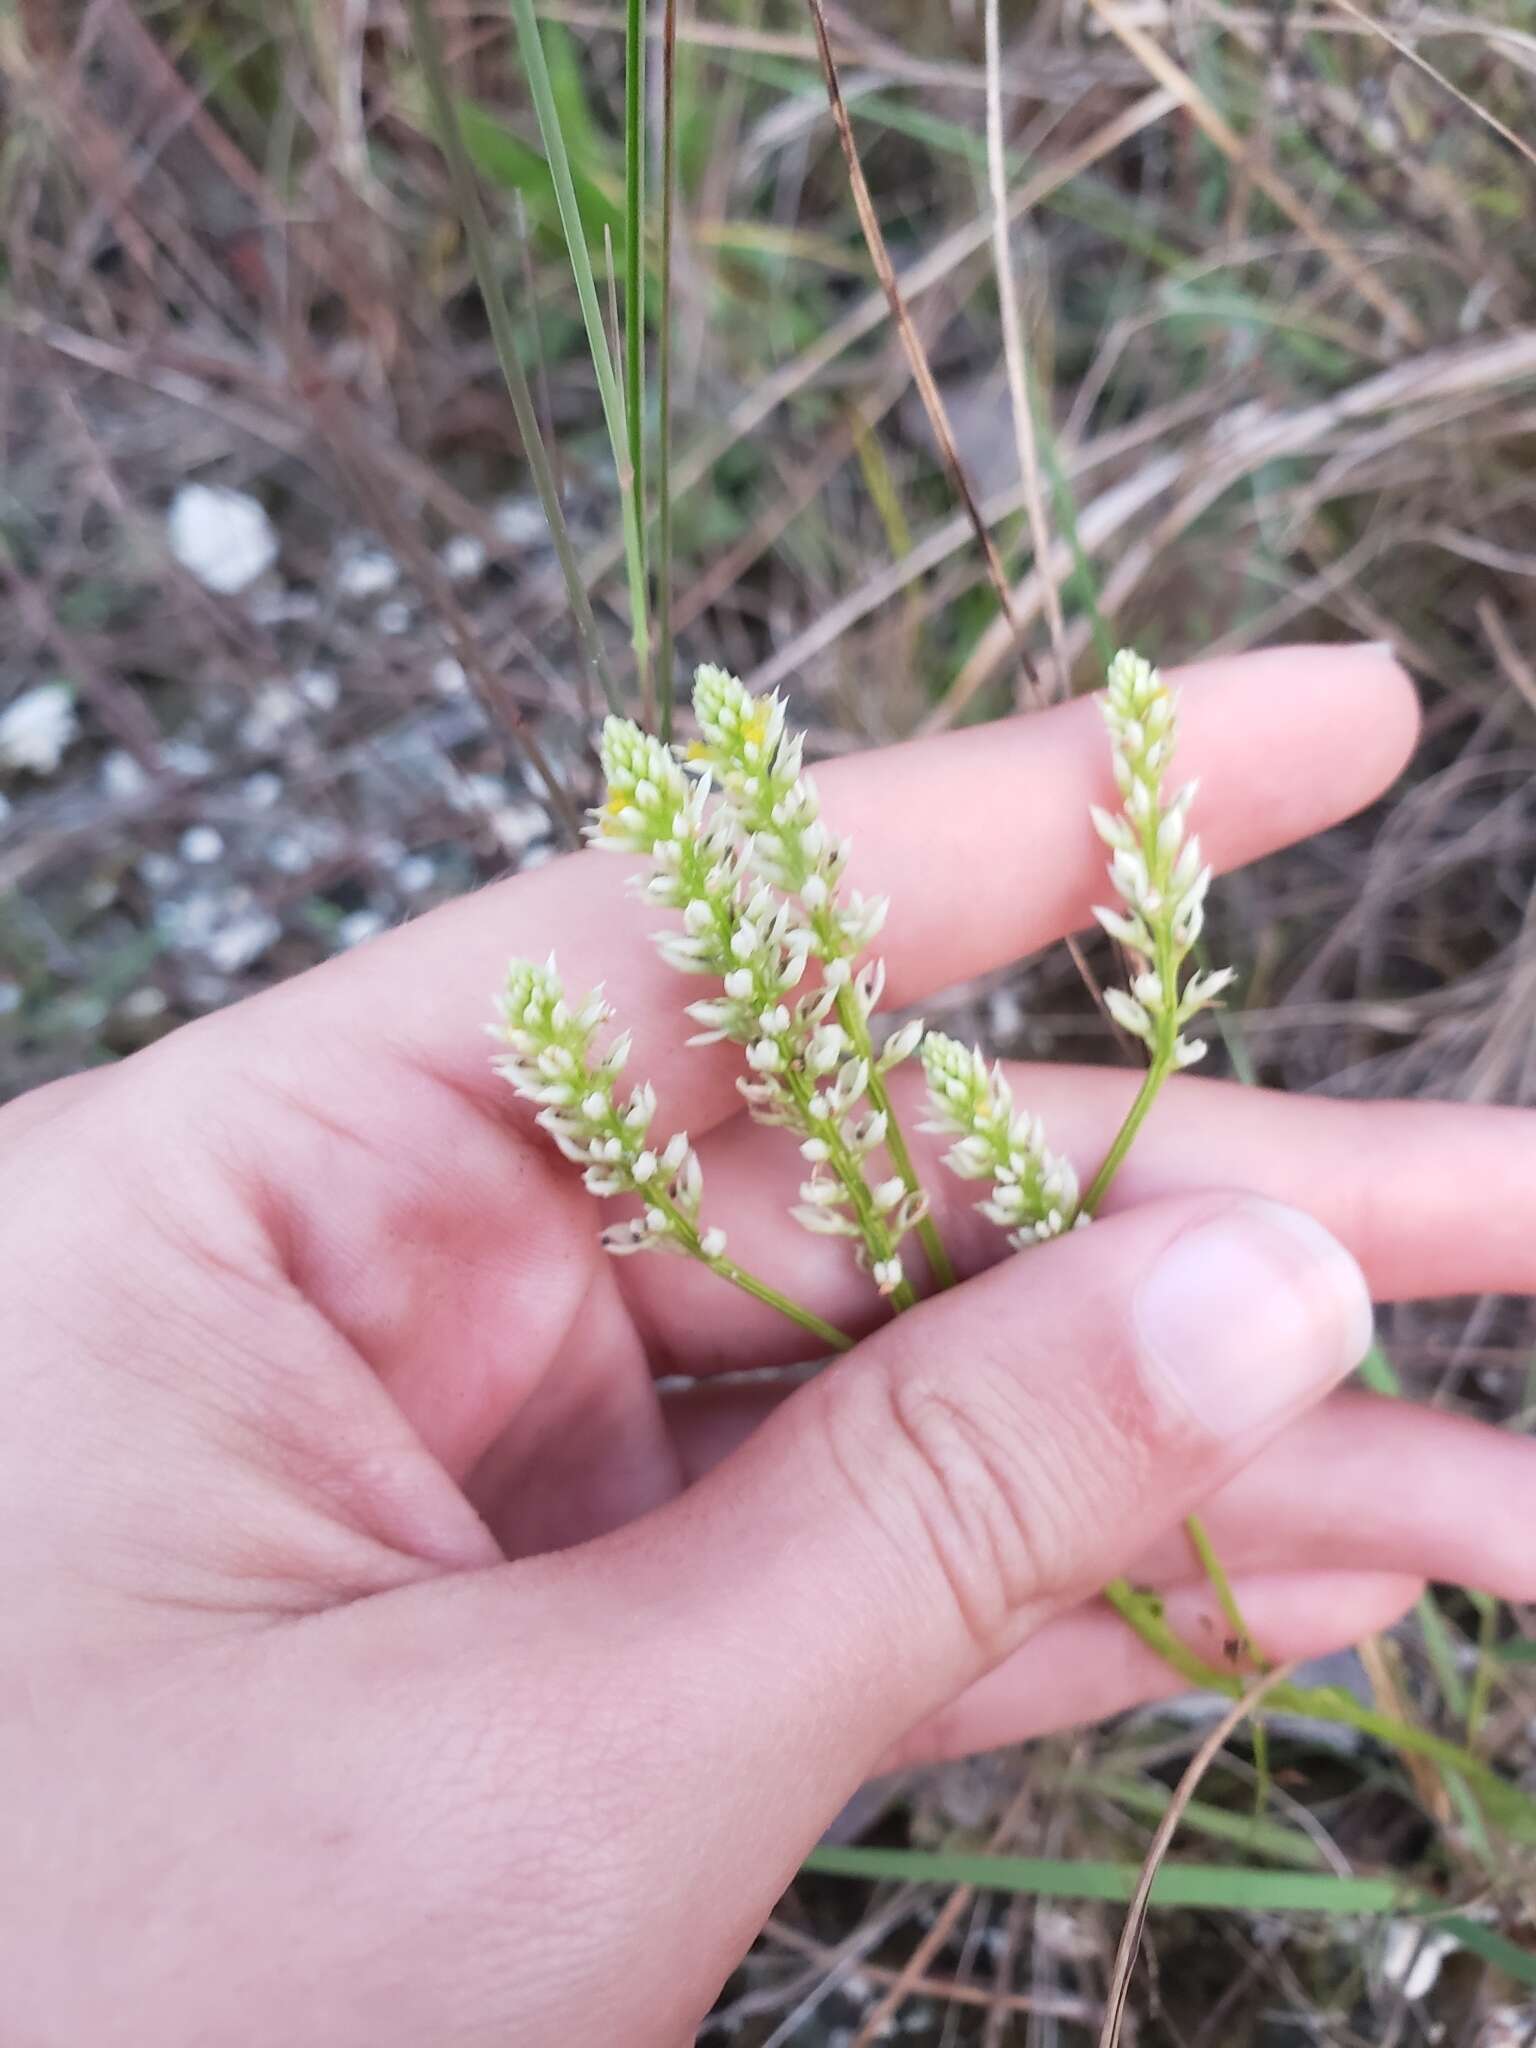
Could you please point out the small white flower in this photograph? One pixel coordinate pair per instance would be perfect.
(887, 1274)
(712, 1242)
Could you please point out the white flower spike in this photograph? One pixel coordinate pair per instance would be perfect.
(1034, 1193)
(1156, 869)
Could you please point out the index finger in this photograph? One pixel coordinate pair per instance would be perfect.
(980, 837)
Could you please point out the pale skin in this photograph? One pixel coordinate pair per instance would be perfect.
(383, 1660)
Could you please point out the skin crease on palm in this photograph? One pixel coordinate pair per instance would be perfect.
(383, 1660)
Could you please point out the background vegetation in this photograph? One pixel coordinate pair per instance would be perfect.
(1276, 298)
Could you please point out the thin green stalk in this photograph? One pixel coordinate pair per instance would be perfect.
(849, 1171)
(1125, 1137)
(1483, 1675)
(807, 1318)
(666, 653)
(477, 236)
(634, 249)
(854, 1023)
(1144, 1613)
(531, 46)
(738, 1276)
(1226, 1599)
(1164, 1057)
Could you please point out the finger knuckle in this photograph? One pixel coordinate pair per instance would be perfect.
(973, 1480)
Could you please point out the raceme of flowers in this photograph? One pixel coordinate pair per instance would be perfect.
(735, 846)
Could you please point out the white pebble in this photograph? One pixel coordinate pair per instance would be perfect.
(288, 854)
(520, 521)
(463, 557)
(242, 940)
(448, 677)
(143, 1003)
(222, 537)
(157, 871)
(416, 872)
(186, 757)
(320, 688)
(201, 845)
(518, 826)
(37, 727)
(393, 618)
(369, 572)
(274, 711)
(1413, 1955)
(262, 790)
(358, 925)
(122, 777)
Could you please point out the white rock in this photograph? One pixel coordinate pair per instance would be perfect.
(243, 939)
(393, 618)
(270, 716)
(463, 557)
(448, 677)
(368, 572)
(416, 872)
(157, 871)
(201, 845)
(222, 537)
(320, 688)
(287, 853)
(357, 926)
(141, 1004)
(519, 826)
(520, 521)
(262, 790)
(122, 777)
(1412, 1957)
(186, 757)
(37, 727)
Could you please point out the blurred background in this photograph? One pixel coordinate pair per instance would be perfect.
(289, 654)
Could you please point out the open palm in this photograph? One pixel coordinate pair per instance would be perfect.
(306, 1333)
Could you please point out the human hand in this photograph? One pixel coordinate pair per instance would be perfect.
(306, 1334)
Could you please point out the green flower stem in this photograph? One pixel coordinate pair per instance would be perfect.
(1166, 964)
(850, 1173)
(688, 1235)
(1144, 1613)
(856, 1026)
(838, 1340)
(1226, 1599)
(1125, 1137)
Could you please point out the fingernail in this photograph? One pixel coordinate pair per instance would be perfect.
(1247, 1317)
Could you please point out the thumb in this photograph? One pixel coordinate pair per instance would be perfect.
(647, 1733)
(907, 1519)
(991, 1458)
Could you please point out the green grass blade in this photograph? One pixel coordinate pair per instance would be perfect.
(666, 653)
(634, 250)
(1237, 1889)
(477, 235)
(546, 112)
(1208, 1887)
